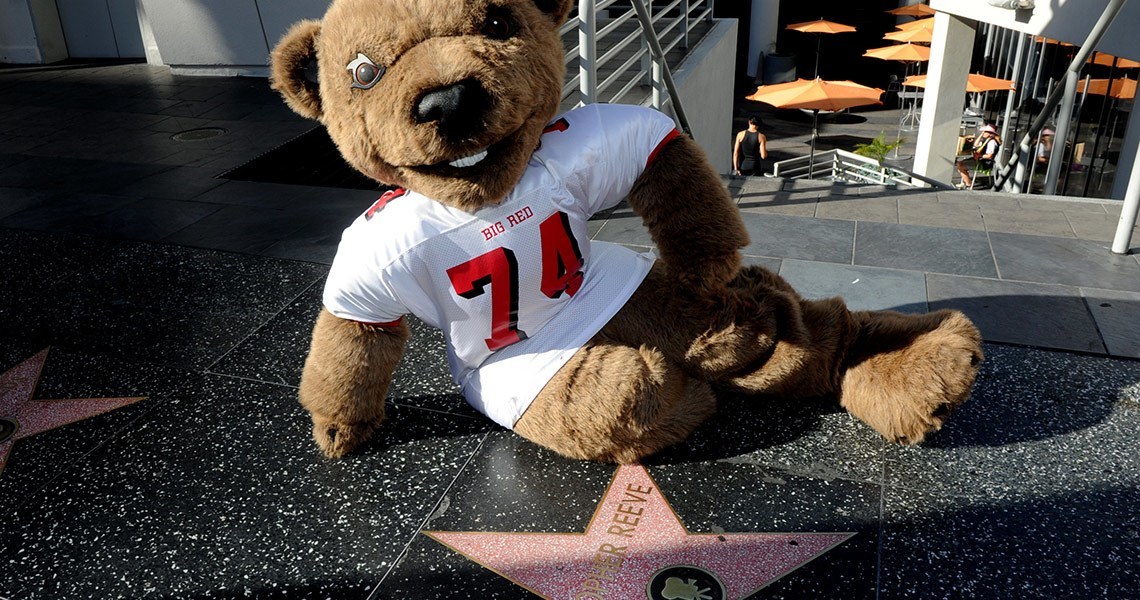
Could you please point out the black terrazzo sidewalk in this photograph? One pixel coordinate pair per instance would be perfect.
(147, 277)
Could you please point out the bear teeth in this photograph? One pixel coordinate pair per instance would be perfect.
(468, 161)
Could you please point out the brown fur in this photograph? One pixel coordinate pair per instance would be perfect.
(681, 200)
(905, 373)
(346, 379)
(699, 321)
(616, 403)
(424, 45)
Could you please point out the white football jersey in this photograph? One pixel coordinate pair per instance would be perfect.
(516, 288)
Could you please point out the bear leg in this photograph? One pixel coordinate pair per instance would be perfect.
(616, 403)
(905, 373)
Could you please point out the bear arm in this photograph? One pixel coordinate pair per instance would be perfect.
(691, 217)
(346, 379)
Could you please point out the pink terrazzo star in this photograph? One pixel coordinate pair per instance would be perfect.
(632, 537)
(22, 417)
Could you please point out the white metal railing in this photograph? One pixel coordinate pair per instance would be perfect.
(611, 41)
(848, 167)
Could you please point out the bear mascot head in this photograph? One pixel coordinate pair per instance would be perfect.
(588, 348)
(445, 98)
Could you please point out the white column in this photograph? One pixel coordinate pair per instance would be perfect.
(150, 45)
(945, 93)
(30, 32)
(1128, 212)
(762, 32)
(1129, 149)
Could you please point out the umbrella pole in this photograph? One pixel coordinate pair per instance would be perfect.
(814, 134)
(818, 40)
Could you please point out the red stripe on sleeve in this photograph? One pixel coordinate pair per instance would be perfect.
(379, 205)
(668, 138)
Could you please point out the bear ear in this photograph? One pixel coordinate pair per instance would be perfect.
(293, 69)
(557, 9)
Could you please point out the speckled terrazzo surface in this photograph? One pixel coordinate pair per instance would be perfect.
(146, 277)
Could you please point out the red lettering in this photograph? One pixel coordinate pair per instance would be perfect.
(561, 273)
(561, 257)
(559, 125)
(500, 270)
(493, 230)
(520, 216)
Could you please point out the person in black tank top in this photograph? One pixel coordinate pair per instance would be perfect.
(751, 148)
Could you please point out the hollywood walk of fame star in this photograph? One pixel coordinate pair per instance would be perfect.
(635, 537)
(22, 417)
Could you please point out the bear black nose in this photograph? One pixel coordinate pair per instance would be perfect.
(457, 109)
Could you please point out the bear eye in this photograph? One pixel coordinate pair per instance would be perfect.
(365, 73)
(499, 26)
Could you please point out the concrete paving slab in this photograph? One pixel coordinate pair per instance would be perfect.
(863, 288)
(979, 199)
(861, 208)
(1116, 314)
(1069, 262)
(929, 212)
(1027, 221)
(1045, 315)
(793, 237)
(932, 249)
(797, 204)
(1099, 227)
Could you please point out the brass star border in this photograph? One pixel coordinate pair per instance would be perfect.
(633, 536)
(22, 417)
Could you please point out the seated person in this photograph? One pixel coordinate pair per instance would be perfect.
(1045, 146)
(985, 148)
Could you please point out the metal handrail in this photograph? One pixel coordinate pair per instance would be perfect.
(844, 166)
(640, 67)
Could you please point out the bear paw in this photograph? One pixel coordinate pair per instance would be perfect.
(906, 373)
(337, 439)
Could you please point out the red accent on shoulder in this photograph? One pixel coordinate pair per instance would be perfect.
(559, 125)
(388, 196)
(395, 323)
(668, 138)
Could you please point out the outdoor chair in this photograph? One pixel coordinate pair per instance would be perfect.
(982, 168)
(893, 89)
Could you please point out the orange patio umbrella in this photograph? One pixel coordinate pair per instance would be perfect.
(816, 95)
(913, 10)
(924, 24)
(908, 53)
(900, 52)
(1121, 89)
(1101, 58)
(975, 83)
(1040, 39)
(921, 36)
(820, 27)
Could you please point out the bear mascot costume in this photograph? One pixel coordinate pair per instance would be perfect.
(587, 348)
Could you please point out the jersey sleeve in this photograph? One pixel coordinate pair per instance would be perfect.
(357, 290)
(627, 138)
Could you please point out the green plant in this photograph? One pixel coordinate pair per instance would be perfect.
(878, 148)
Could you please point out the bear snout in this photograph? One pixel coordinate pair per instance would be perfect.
(457, 109)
